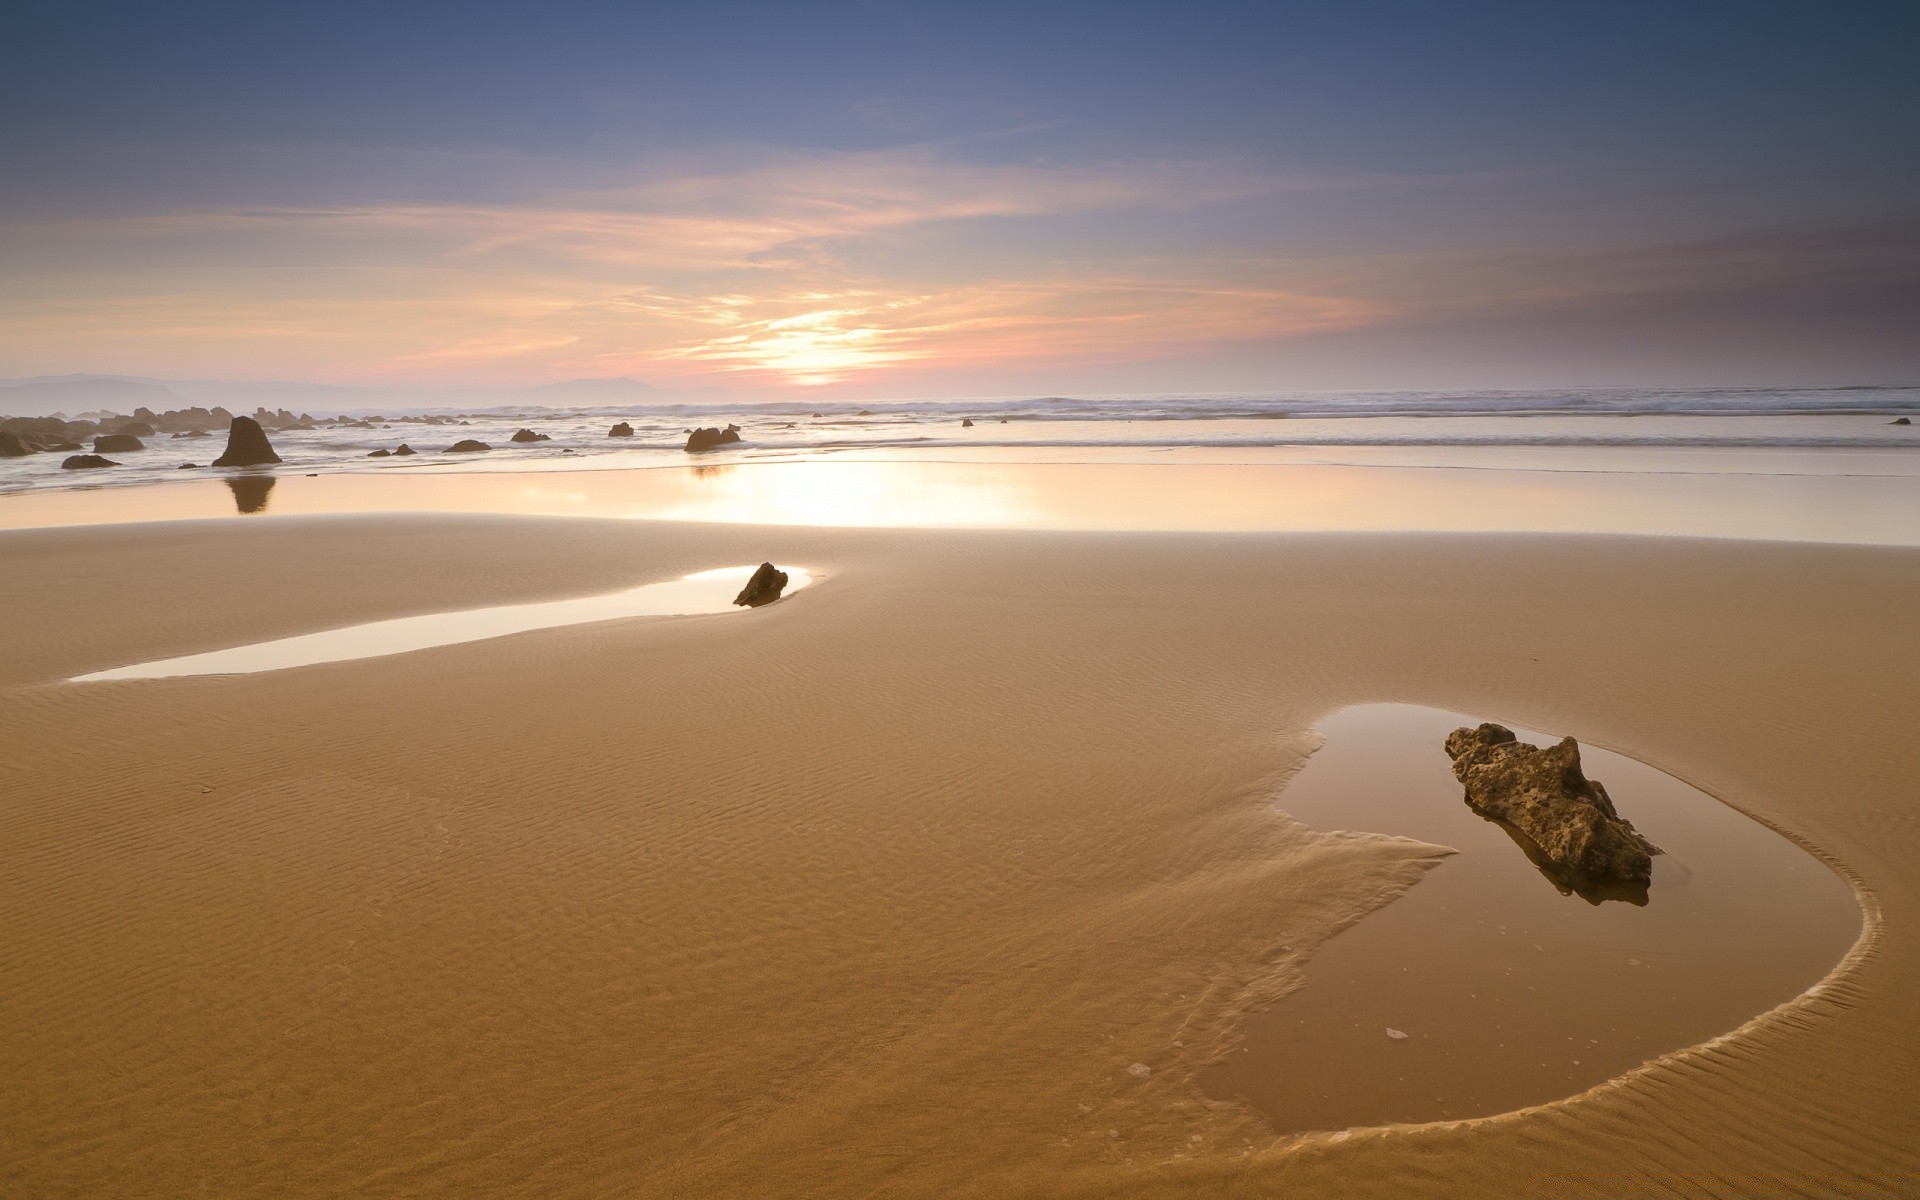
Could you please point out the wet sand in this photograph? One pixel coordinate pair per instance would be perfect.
(880, 890)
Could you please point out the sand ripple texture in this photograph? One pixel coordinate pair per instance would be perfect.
(881, 891)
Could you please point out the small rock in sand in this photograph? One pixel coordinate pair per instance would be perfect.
(1543, 795)
(763, 588)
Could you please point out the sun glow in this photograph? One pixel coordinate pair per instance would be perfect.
(808, 349)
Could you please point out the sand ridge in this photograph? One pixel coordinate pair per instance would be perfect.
(880, 891)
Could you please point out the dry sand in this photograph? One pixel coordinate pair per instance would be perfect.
(878, 891)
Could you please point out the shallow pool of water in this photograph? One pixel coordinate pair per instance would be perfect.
(1504, 990)
(701, 592)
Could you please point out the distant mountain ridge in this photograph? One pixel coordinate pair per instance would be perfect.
(74, 394)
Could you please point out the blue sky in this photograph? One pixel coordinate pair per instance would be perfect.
(895, 199)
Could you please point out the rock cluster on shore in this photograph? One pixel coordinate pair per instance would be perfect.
(1544, 796)
(711, 439)
(247, 446)
(764, 588)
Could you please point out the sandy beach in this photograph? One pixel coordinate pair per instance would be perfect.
(886, 889)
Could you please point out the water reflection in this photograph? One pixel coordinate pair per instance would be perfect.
(702, 592)
(250, 492)
(1593, 891)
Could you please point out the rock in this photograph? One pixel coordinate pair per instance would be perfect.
(11, 446)
(966, 423)
(380, 454)
(137, 429)
(247, 445)
(816, 414)
(404, 450)
(1003, 420)
(117, 443)
(83, 462)
(621, 430)
(711, 438)
(188, 467)
(528, 435)
(466, 446)
(63, 447)
(1900, 421)
(1543, 795)
(865, 412)
(764, 588)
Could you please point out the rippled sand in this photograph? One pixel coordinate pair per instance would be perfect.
(879, 891)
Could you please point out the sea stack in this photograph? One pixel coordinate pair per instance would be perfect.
(247, 445)
(528, 435)
(621, 430)
(11, 446)
(1544, 796)
(764, 588)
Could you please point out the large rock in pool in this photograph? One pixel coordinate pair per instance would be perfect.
(528, 435)
(247, 445)
(11, 446)
(621, 430)
(1543, 795)
(466, 446)
(710, 438)
(83, 462)
(764, 588)
(117, 443)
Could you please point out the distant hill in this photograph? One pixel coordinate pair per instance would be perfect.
(73, 394)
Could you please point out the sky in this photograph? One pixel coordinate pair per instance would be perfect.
(899, 199)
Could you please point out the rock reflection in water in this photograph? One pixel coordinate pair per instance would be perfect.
(250, 492)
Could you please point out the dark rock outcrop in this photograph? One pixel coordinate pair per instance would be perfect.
(711, 438)
(404, 450)
(466, 446)
(1901, 421)
(1544, 796)
(82, 462)
(528, 435)
(117, 443)
(139, 429)
(11, 446)
(764, 588)
(380, 454)
(621, 430)
(247, 445)
(966, 423)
